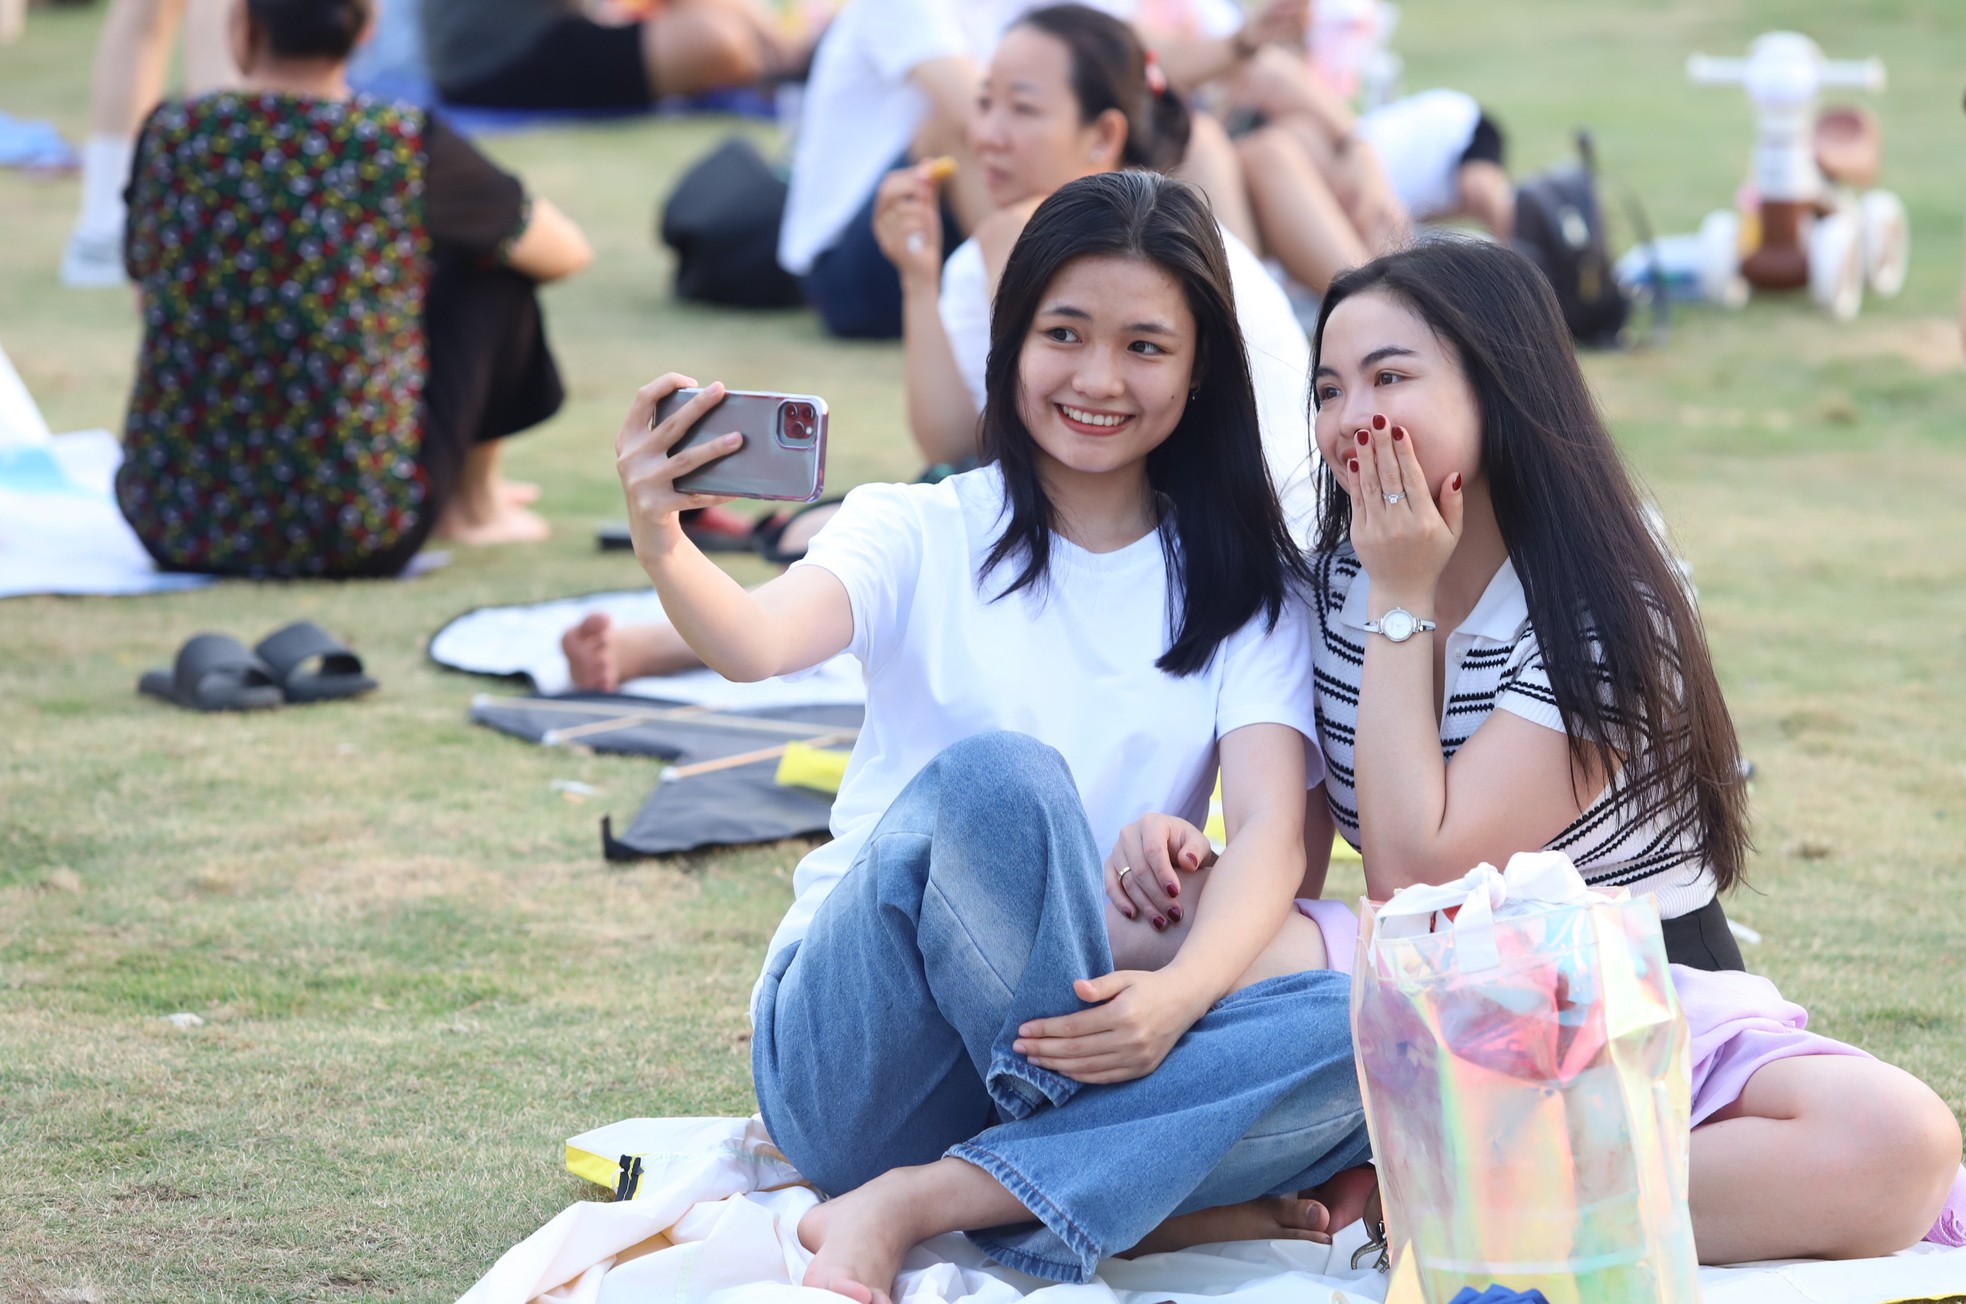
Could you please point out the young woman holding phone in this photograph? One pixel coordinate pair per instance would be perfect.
(954, 1031)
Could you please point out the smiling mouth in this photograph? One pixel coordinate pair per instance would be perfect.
(1091, 422)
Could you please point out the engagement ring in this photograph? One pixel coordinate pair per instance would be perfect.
(1393, 498)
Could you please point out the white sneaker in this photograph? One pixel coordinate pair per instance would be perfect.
(92, 262)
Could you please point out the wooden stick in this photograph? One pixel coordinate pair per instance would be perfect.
(746, 758)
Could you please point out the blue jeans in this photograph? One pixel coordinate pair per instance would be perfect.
(883, 1038)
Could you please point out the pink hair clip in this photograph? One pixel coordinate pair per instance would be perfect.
(1156, 79)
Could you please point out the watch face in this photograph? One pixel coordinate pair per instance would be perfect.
(1397, 625)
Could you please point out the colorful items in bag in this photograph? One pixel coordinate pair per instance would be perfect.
(1526, 1077)
(1498, 1295)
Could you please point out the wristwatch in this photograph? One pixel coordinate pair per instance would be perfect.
(1399, 624)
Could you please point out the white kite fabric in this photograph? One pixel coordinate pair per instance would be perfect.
(715, 1221)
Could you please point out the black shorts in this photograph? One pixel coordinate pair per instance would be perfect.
(576, 64)
(1702, 939)
(1487, 146)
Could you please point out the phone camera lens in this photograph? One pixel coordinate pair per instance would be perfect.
(800, 423)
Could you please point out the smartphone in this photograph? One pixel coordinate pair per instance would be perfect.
(782, 458)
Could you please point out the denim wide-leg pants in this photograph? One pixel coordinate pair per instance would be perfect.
(883, 1038)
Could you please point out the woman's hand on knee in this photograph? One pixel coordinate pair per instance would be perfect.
(649, 469)
(1143, 872)
(1136, 1018)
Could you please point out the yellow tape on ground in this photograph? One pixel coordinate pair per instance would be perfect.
(806, 766)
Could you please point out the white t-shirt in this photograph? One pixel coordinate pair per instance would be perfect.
(1420, 141)
(1073, 669)
(1279, 363)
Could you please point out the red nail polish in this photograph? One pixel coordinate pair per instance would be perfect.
(1457, 479)
(1174, 913)
(1160, 924)
(1399, 432)
(1378, 423)
(1173, 888)
(1352, 466)
(1364, 438)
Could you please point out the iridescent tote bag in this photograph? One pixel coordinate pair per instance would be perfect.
(1527, 1083)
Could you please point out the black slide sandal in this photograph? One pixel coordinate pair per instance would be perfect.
(288, 652)
(770, 531)
(214, 672)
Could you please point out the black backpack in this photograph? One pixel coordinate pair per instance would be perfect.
(1559, 224)
(722, 220)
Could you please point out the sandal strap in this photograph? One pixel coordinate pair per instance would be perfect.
(204, 655)
(284, 650)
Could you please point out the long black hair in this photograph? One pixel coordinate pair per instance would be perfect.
(1230, 554)
(1627, 658)
(1110, 71)
(310, 29)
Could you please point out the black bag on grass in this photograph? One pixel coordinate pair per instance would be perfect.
(722, 220)
(1559, 224)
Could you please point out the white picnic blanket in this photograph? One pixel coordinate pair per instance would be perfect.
(716, 1216)
(525, 640)
(60, 528)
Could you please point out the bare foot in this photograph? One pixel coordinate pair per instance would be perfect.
(591, 654)
(1312, 1215)
(1273, 1218)
(1349, 1196)
(519, 493)
(504, 523)
(858, 1241)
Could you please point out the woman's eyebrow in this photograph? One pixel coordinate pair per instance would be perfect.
(1080, 314)
(1383, 352)
(1377, 355)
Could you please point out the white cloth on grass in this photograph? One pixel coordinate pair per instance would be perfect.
(60, 529)
(715, 1221)
(525, 640)
(1279, 363)
(1073, 667)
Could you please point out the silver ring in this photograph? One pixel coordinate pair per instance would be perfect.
(1124, 871)
(1394, 498)
(915, 242)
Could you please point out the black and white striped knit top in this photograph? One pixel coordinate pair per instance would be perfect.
(1493, 663)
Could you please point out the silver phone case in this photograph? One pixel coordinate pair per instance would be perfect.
(766, 466)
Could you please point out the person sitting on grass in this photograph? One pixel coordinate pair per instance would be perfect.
(340, 319)
(1082, 629)
(554, 54)
(1507, 660)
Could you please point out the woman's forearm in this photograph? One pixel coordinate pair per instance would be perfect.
(1250, 893)
(940, 413)
(1192, 63)
(745, 636)
(1401, 776)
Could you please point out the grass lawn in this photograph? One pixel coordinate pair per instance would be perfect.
(417, 976)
